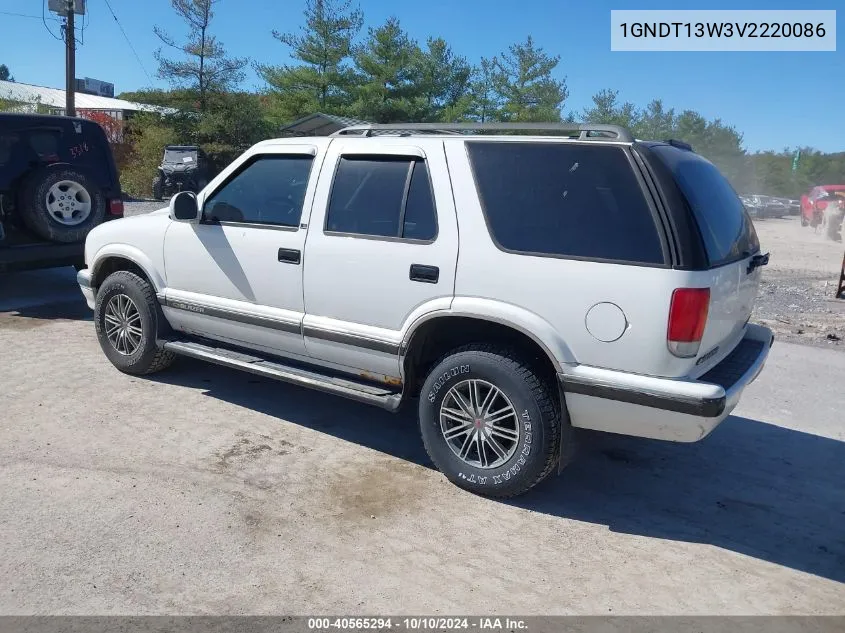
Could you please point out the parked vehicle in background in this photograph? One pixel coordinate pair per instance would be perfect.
(774, 207)
(332, 263)
(58, 180)
(753, 205)
(183, 168)
(794, 206)
(824, 208)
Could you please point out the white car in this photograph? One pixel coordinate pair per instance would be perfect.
(516, 286)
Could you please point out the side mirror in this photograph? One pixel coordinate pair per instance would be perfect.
(184, 207)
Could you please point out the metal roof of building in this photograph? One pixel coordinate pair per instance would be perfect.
(318, 124)
(55, 98)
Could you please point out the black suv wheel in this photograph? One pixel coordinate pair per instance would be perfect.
(61, 204)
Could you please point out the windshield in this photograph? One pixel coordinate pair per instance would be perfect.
(180, 156)
(725, 226)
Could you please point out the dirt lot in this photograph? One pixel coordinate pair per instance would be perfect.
(202, 490)
(797, 298)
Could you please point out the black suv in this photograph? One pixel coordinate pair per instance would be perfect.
(58, 180)
(182, 168)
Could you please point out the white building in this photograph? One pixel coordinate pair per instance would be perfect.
(29, 98)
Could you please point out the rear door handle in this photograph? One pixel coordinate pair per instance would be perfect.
(425, 274)
(289, 256)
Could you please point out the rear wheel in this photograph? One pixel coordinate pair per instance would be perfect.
(61, 204)
(804, 221)
(128, 322)
(490, 423)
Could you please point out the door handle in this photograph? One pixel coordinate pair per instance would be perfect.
(289, 256)
(425, 274)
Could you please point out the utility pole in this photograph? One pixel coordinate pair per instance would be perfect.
(70, 62)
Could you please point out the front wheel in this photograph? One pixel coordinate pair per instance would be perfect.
(490, 423)
(129, 321)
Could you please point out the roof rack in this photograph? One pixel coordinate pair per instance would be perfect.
(586, 131)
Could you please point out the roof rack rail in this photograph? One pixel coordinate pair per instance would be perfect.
(585, 131)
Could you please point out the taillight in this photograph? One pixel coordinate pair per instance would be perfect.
(687, 318)
(116, 207)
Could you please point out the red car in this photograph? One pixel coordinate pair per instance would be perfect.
(820, 202)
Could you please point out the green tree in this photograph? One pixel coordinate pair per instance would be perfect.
(524, 82)
(443, 82)
(206, 68)
(5, 73)
(324, 78)
(388, 76)
(485, 104)
(607, 109)
(655, 122)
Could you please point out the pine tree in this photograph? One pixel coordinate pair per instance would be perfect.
(323, 80)
(523, 79)
(389, 76)
(207, 69)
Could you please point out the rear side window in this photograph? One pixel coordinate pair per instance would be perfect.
(567, 200)
(384, 197)
(725, 226)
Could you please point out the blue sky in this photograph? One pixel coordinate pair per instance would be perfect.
(776, 100)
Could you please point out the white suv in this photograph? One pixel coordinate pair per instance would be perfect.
(517, 286)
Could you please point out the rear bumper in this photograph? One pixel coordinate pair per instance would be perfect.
(40, 255)
(681, 410)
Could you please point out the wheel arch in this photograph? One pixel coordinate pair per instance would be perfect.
(433, 334)
(112, 259)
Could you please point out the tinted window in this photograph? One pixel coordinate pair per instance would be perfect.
(44, 142)
(420, 221)
(565, 199)
(725, 226)
(369, 194)
(269, 190)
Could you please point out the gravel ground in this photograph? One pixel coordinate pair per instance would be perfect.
(139, 207)
(797, 296)
(202, 490)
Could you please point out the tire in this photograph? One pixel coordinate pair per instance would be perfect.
(804, 221)
(521, 462)
(43, 209)
(131, 357)
(158, 188)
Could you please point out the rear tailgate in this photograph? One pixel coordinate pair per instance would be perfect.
(732, 249)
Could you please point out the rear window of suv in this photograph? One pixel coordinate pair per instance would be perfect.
(567, 200)
(726, 228)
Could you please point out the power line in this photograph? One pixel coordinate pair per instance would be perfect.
(126, 37)
(20, 15)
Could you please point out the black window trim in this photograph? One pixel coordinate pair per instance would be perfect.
(238, 171)
(695, 256)
(655, 215)
(413, 160)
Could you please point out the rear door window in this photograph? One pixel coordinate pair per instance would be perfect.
(725, 226)
(382, 196)
(568, 200)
